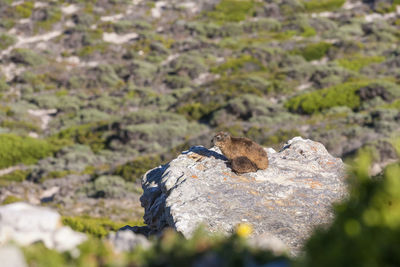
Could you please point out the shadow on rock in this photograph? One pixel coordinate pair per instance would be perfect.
(202, 151)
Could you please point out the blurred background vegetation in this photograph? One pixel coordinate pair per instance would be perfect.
(95, 93)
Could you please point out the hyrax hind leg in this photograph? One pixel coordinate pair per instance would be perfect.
(243, 165)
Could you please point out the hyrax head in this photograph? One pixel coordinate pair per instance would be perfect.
(220, 139)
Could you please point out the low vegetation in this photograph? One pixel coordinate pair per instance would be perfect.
(16, 149)
(339, 95)
(96, 227)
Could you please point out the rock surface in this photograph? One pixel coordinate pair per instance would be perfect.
(26, 224)
(127, 240)
(11, 256)
(285, 201)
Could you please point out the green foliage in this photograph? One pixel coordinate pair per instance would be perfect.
(313, 51)
(201, 103)
(308, 31)
(280, 137)
(23, 125)
(175, 250)
(6, 40)
(16, 176)
(38, 82)
(322, 5)
(89, 50)
(87, 134)
(97, 227)
(108, 186)
(27, 57)
(358, 62)
(53, 15)
(366, 228)
(102, 76)
(3, 85)
(196, 110)
(7, 23)
(393, 105)
(133, 170)
(24, 10)
(386, 6)
(339, 95)
(16, 149)
(232, 10)
(262, 25)
(11, 199)
(170, 250)
(235, 65)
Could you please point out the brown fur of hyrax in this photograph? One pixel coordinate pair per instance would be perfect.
(244, 154)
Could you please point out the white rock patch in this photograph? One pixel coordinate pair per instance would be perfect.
(26, 224)
(112, 18)
(44, 115)
(157, 10)
(114, 38)
(70, 9)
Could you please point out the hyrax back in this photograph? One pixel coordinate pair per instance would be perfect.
(240, 147)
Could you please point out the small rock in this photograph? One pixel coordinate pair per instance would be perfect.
(26, 224)
(126, 240)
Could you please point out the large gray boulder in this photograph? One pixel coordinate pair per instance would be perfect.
(26, 224)
(284, 202)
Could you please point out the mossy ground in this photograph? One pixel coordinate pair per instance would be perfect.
(96, 227)
(27, 150)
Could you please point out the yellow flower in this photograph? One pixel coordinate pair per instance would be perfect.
(244, 230)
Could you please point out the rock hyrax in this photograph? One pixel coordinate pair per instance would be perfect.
(243, 154)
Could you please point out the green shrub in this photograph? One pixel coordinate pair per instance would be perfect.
(232, 10)
(25, 126)
(358, 62)
(16, 176)
(16, 149)
(172, 249)
(280, 137)
(4, 87)
(393, 105)
(322, 5)
(262, 25)
(97, 227)
(235, 65)
(386, 6)
(313, 51)
(88, 134)
(340, 95)
(24, 10)
(11, 199)
(133, 170)
(108, 186)
(38, 82)
(27, 57)
(177, 81)
(196, 110)
(201, 103)
(102, 76)
(89, 50)
(366, 228)
(53, 15)
(7, 23)
(308, 31)
(6, 40)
